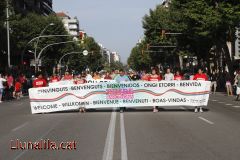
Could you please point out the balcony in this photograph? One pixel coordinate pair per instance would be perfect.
(73, 21)
(74, 27)
(74, 33)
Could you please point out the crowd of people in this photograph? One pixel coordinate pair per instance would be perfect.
(14, 88)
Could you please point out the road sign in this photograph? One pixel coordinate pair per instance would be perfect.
(85, 52)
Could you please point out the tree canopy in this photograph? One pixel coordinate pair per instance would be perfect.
(202, 24)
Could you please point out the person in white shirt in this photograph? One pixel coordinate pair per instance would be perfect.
(1, 87)
(168, 76)
(88, 76)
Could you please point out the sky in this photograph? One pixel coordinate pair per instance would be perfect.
(116, 24)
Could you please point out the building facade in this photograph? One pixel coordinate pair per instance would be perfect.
(43, 7)
(166, 3)
(115, 57)
(71, 24)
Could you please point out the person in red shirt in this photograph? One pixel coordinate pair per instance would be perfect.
(10, 80)
(78, 79)
(40, 81)
(154, 77)
(177, 76)
(108, 76)
(144, 76)
(67, 77)
(17, 89)
(54, 78)
(21, 78)
(200, 76)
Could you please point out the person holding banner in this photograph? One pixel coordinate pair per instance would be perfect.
(79, 79)
(200, 76)
(96, 76)
(122, 77)
(144, 76)
(54, 78)
(154, 77)
(134, 76)
(67, 77)
(88, 76)
(168, 76)
(177, 76)
(108, 76)
(40, 81)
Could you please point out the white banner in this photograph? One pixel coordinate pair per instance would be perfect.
(127, 94)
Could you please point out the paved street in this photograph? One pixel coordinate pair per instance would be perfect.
(138, 134)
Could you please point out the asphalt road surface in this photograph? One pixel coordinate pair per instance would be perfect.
(174, 133)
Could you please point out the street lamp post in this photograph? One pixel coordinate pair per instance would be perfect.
(85, 53)
(40, 53)
(35, 38)
(8, 35)
(36, 45)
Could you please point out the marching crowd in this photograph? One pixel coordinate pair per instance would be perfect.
(14, 88)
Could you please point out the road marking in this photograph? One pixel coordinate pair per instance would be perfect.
(228, 104)
(109, 143)
(17, 128)
(204, 119)
(18, 156)
(236, 106)
(38, 139)
(220, 102)
(214, 100)
(123, 139)
(183, 108)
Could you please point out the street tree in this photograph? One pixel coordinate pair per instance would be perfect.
(139, 58)
(203, 25)
(94, 59)
(25, 28)
(209, 23)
